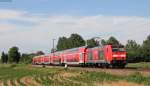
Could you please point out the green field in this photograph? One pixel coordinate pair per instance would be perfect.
(139, 65)
(26, 75)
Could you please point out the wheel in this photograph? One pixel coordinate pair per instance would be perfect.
(113, 66)
(107, 65)
(103, 65)
(122, 66)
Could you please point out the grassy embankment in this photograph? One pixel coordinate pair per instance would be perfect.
(26, 75)
(139, 65)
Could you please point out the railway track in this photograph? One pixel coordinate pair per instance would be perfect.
(121, 72)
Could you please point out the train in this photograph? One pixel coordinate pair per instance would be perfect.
(100, 56)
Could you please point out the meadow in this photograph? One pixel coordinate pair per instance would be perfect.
(27, 75)
(140, 65)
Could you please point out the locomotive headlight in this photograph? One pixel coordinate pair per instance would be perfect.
(123, 58)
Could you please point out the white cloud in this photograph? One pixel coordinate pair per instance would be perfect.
(10, 14)
(40, 35)
(6, 27)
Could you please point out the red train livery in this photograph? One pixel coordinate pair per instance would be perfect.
(101, 56)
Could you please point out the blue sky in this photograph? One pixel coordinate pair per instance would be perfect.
(82, 7)
(32, 24)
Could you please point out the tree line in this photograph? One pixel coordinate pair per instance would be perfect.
(135, 52)
(14, 56)
(75, 40)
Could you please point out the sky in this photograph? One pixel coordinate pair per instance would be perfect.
(32, 24)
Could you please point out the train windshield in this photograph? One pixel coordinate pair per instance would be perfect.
(118, 49)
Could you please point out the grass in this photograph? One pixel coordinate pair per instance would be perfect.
(26, 75)
(139, 65)
(138, 78)
(104, 77)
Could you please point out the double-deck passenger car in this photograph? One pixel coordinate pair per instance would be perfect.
(100, 56)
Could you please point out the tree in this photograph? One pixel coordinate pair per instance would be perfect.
(103, 42)
(13, 55)
(63, 43)
(73, 41)
(146, 48)
(27, 58)
(76, 41)
(112, 40)
(4, 58)
(133, 51)
(39, 53)
(92, 43)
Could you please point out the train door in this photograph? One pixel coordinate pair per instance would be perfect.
(81, 58)
(101, 54)
(108, 53)
(90, 56)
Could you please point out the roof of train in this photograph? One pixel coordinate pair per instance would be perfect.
(72, 50)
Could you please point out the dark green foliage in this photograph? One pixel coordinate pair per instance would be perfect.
(27, 58)
(133, 48)
(92, 43)
(146, 48)
(39, 53)
(63, 43)
(73, 41)
(103, 42)
(4, 58)
(14, 55)
(112, 40)
(133, 51)
(76, 41)
(138, 53)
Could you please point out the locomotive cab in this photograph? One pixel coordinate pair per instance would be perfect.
(118, 56)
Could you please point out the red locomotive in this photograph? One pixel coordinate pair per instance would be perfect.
(101, 56)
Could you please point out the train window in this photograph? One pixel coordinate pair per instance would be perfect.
(121, 49)
(118, 49)
(101, 54)
(81, 56)
(115, 49)
(90, 56)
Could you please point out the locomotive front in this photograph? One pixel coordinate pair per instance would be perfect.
(118, 56)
